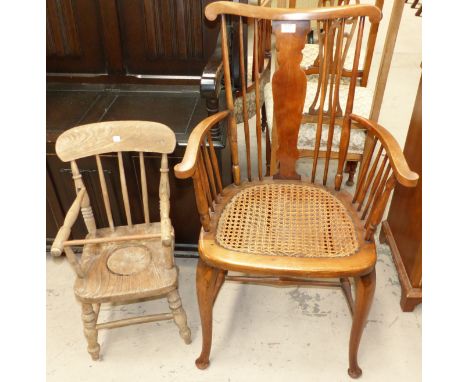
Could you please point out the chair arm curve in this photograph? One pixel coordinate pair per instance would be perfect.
(186, 168)
(65, 229)
(402, 172)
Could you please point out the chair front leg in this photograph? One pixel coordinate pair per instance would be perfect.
(180, 317)
(89, 318)
(209, 281)
(365, 288)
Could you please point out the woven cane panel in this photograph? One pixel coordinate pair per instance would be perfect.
(287, 220)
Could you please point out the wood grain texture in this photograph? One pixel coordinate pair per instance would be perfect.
(123, 263)
(186, 168)
(404, 175)
(104, 137)
(403, 228)
(226, 7)
(289, 89)
(218, 256)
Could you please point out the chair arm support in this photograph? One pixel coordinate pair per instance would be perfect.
(402, 172)
(186, 168)
(70, 219)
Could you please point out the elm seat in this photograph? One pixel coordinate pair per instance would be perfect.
(299, 220)
(124, 270)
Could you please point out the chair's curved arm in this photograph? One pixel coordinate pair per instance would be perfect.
(65, 229)
(186, 168)
(400, 167)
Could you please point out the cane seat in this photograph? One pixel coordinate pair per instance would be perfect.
(289, 227)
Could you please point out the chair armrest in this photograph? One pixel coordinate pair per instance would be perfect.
(70, 219)
(210, 83)
(186, 168)
(400, 167)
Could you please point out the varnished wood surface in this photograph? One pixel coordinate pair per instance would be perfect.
(226, 7)
(186, 168)
(376, 181)
(289, 89)
(101, 41)
(403, 227)
(405, 176)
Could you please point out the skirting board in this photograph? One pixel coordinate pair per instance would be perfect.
(410, 296)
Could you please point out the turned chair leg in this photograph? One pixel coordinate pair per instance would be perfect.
(180, 318)
(365, 287)
(89, 318)
(351, 170)
(209, 282)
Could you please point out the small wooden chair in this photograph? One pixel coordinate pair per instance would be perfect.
(123, 263)
(283, 230)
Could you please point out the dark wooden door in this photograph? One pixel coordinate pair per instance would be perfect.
(165, 37)
(74, 37)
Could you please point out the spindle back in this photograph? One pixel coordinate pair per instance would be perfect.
(118, 137)
(290, 27)
(316, 46)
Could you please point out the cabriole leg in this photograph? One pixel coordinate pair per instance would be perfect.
(208, 285)
(89, 318)
(180, 317)
(365, 288)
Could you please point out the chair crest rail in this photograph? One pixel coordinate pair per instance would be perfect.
(212, 11)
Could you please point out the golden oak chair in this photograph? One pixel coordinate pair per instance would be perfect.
(282, 230)
(120, 263)
(314, 56)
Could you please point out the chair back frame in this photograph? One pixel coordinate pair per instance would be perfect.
(118, 137)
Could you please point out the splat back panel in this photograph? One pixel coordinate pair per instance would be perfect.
(289, 90)
(290, 28)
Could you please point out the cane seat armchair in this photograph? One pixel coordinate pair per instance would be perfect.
(120, 264)
(284, 229)
(314, 55)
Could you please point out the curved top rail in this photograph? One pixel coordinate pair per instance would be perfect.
(104, 137)
(226, 7)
